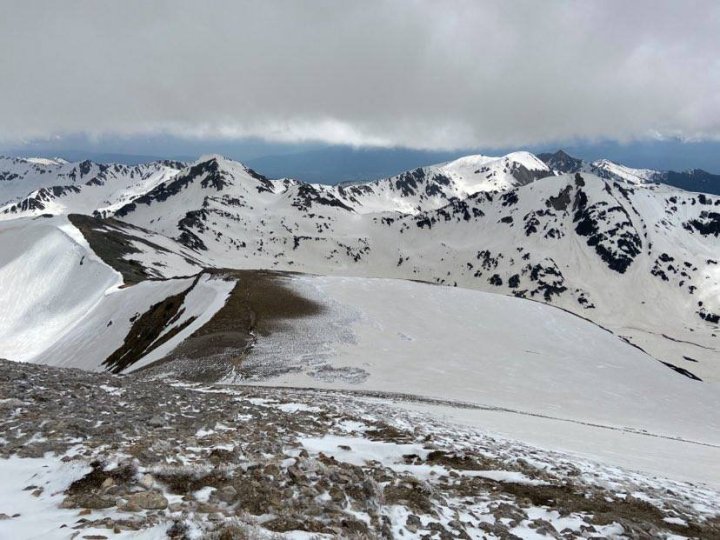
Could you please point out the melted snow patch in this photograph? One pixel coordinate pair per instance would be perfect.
(510, 477)
(295, 407)
(358, 451)
(112, 390)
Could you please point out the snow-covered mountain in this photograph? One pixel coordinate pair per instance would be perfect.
(578, 312)
(611, 247)
(690, 180)
(431, 187)
(36, 186)
(619, 253)
(33, 186)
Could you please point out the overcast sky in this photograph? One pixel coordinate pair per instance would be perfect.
(423, 74)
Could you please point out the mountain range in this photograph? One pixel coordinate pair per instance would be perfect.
(569, 306)
(606, 242)
(690, 180)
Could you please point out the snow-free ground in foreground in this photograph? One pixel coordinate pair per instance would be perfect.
(90, 455)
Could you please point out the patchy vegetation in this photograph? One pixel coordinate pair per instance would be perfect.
(243, 462)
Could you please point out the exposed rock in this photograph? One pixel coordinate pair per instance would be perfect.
(149, 500)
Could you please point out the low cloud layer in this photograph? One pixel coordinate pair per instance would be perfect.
(422, 74)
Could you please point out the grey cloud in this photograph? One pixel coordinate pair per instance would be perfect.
(416, 73)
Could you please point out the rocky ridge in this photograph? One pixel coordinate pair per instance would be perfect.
(191, 460)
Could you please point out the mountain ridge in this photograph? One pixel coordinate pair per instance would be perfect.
(596, 246)
(696, 180)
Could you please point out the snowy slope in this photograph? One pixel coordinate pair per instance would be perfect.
(485, 349)
(622, 255)
(38, 186)
(104, 329)
(48, 283)
(64, 306)
(430, 187)
(605, 168)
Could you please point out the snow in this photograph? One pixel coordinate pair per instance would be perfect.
(676, 521)
(527, 160)
(295, 407)
(207, 296)
(519, 368)
(361, 450)
(203, 495)
(112, 390)
(511, 477)
(45, 161)
(49, 282)
(621, 172)
(40, 518)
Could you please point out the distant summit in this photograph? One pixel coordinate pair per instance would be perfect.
(561, 162)
(697, 180)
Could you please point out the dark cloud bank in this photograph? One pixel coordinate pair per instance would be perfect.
(421, 74)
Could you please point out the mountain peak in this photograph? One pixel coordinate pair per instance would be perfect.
(561, 162)
(560, 153)
(212, 157)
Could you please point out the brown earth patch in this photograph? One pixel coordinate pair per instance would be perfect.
(637, 515)
(260, 303)
(111, 242)
(145, 330)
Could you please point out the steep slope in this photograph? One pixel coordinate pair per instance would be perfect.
(62, 305)
(32, 187)
(41, 270)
